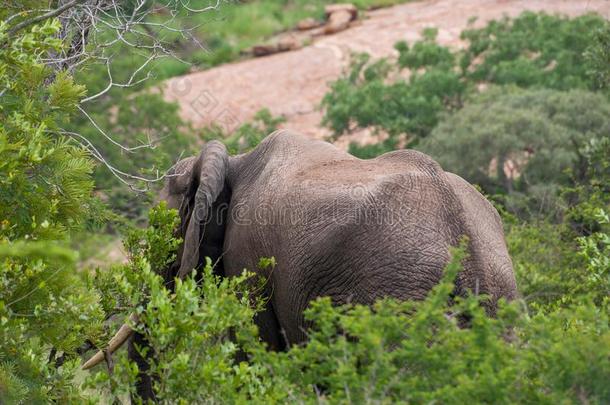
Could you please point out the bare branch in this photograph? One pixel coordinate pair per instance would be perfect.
(23, 13)
(130, 83)
(94, 31)
(119, 174)
(115, 143)
(203, 10)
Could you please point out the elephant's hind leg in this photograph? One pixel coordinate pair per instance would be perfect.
(269, 328)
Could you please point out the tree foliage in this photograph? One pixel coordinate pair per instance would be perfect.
(46, 310)
(526, 143)
(45, 180)
(534, 49)
(598, 58)
(364, 98)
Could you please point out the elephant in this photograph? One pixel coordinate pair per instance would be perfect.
(351, 229)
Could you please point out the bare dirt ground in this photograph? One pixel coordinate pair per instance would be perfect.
(293, 83)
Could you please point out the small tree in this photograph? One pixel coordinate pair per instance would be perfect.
(524, 143)
(46, 309)
(534, 49)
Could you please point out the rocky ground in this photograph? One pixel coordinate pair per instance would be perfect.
(292, 83)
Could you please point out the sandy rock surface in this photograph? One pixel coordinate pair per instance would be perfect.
(293, 83)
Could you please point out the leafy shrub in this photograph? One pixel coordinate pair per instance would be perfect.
(363, 98)
(591, 192)
(391, 352)
(195, 330)
(534, 49)
(46, 310)
(598, 58)
(527, 143)
(45, 179)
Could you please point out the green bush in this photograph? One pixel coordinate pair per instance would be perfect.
(592, 192)
(195, 331)
(406, 352)
(363, 98)
(598, 58)
(46, 310)
(526, 143)
(534, 49)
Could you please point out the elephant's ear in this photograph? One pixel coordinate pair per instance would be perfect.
(200, 180)
(209, 174)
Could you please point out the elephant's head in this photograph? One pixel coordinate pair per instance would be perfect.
(193, 186)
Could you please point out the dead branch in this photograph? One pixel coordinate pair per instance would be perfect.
(94, 31)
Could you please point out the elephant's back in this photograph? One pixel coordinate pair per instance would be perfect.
(369, 226)
(285, 159)
(306, 193)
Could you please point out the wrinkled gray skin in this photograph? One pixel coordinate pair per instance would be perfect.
(355, 230)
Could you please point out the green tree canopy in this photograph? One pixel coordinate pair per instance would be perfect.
(534, 49)
(46, 187)
(520, 141)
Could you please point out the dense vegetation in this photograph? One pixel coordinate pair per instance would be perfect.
(535, 100)
(46, 307)
(530, 143)
(533, 50)
(556, 349)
